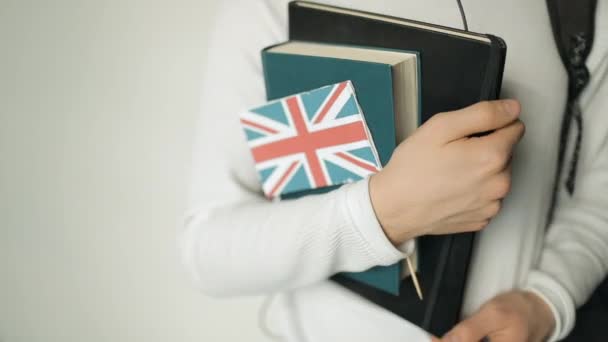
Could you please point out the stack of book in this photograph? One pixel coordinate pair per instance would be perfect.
(345, 90)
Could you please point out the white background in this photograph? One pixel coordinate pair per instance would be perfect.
(98, 101)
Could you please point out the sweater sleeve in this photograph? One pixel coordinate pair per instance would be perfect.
(234, 241)
(574, 259)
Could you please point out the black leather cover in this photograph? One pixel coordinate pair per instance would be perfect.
(456, 72)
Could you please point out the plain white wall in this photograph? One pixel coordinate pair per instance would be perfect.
(97, 104)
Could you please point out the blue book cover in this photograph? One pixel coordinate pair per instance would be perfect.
(288, 73)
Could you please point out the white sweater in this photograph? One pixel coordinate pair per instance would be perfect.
(235, 242)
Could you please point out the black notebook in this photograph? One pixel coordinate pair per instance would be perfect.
(458, 68)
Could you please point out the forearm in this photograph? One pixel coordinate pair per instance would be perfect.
(572, 264)
(259, 246)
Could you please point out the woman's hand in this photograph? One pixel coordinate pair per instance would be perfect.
(515, 316)
(441, 180)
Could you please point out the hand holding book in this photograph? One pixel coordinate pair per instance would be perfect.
(446, 192)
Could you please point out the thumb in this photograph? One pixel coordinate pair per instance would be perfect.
(478, 118)
(472, 329)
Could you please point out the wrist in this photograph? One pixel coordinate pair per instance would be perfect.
(541, 316)
(381, 204)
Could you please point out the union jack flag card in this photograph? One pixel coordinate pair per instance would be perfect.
(310, 140)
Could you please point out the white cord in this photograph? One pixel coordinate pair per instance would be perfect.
(263, 320)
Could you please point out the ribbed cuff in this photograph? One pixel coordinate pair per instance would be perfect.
(364, 219)
(558, 300)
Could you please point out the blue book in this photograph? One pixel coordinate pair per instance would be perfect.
(387, 86)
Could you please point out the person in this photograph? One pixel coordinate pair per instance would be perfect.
(525, 280)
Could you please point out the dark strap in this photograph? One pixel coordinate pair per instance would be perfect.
(573, 28)
(573, 24)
